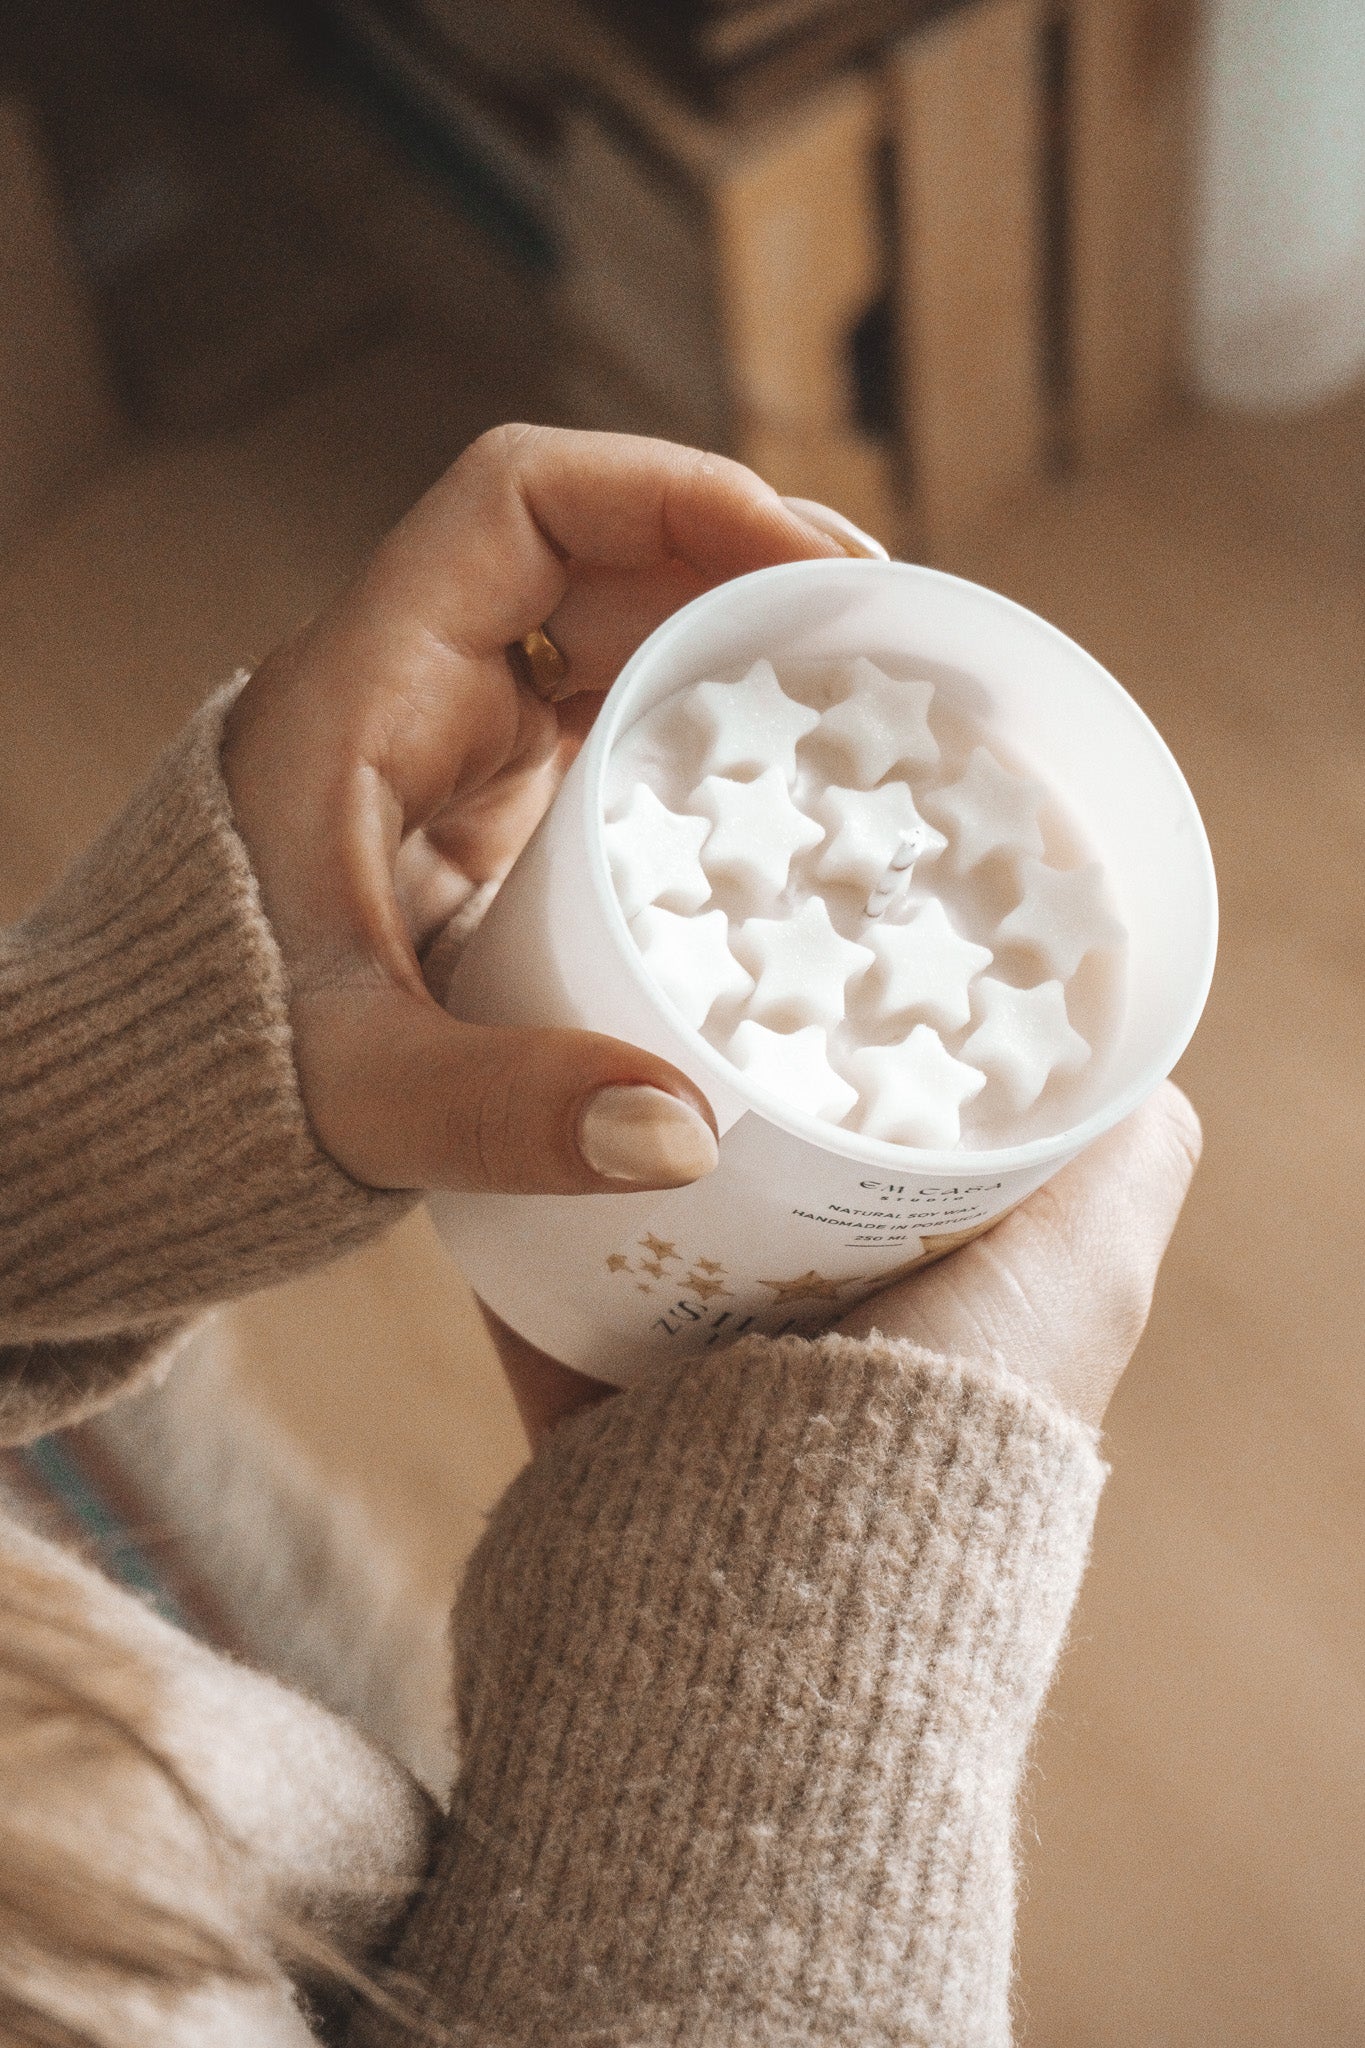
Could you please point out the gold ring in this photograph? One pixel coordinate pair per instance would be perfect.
(538, 663)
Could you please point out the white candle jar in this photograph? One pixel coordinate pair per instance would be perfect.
(803, 1218)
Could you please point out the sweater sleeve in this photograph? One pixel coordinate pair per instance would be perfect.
(178, 1827)
(751, 1656)
(155, 1153)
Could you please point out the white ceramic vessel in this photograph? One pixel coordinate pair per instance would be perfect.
(803, 1218)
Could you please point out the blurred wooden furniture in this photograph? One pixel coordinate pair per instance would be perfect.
(1129, 105)
(58, 417)
(974, 404)
(908, 289)
(712, 295)
(741, 55)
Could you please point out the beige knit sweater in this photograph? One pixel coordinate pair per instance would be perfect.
(748, 1659)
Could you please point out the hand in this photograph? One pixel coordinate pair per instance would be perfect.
(1058, 1293)
(385, 764)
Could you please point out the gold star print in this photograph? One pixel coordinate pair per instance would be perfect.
(704, 1289)
(644, 1287)
(711, 1266)
(660, 1249)
(810, 1286)
(940, 1241)
(898, 1272)
(618, 1263)
(653, 1266)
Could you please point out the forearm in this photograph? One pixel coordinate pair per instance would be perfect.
(752, 1655)
(155, 1155)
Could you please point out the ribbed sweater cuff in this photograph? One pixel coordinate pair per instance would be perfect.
(751, 1657)
(155, 1153)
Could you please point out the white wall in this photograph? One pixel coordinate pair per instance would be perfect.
(1280, 268)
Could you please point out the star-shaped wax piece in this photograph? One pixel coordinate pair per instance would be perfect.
(755, 830)
(794, 1066)
(880, 725)
(912, 1093)
(991, 810)
(926, 966)
(1023, 1037)
(750, 725)
(1061, 916)
(868, 828)
(652, 853)
(800, 964)
(690, 959)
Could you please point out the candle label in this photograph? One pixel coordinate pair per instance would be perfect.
(782, 1237)
(691, 1303)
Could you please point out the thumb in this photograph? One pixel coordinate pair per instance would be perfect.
(404, 1096)
(1060, 1291)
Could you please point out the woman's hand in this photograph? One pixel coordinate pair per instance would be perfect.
(1059, 1292)
(385, 764)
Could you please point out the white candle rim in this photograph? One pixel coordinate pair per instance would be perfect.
(975, 1162)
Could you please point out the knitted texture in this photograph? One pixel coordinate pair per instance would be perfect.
(155, 1154)
(280, 1816)
(750, 1657)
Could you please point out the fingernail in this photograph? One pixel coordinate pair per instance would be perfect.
(646, 1139)
(826, 520)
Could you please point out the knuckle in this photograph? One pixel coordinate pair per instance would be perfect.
(1130, 1306)
(495, 1132)
(696, 477)
(1184, 1131)
(705, 462)
(478, 1146)
(1092, 1283)
(709, 467)
(504, 447)
(520, 442)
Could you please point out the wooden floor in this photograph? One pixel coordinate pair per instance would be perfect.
(1200, 1805)
(1197, 1835)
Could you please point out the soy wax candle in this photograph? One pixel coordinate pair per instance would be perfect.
(911, 889)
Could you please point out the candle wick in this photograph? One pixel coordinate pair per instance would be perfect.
(896, 879)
